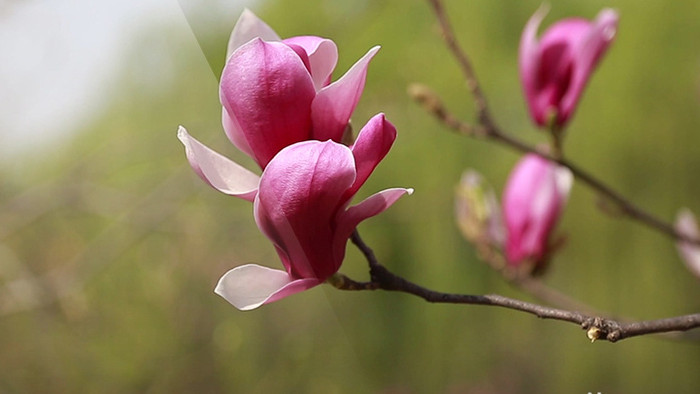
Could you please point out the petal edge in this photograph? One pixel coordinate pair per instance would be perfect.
(249, 286)
(248, 27)
(334, 104)
(218, 171)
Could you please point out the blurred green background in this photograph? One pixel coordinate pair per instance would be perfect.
(110, 246)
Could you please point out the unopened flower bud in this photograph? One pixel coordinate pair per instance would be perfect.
(477, 212)
(533, 201)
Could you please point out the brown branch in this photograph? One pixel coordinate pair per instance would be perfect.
(596, 327)
(433, 104)
(463, 61)
(523, 280)
(535, 287)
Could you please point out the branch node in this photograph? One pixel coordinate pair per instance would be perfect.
(593, 334)
(342, 282)
(600, 328)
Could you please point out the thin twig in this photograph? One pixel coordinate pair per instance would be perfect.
(596, 327)
(464, 62)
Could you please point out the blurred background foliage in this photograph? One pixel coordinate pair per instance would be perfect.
(110, 246)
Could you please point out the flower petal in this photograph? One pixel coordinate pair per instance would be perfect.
(374, 204)
(301, 190)
(528, 60)
(334, 104)
(248, 286)
(218, 171)
(592, 46)
(233, 131)
(533, 199)
(249, 26)
(690, 254)
(371, 206)
(267, 88)
(373, 143)
(323, 56)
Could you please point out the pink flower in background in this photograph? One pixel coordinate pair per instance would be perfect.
(533, 200)
(690, 254)
(554, 70)
(301, 204)
(277, 92)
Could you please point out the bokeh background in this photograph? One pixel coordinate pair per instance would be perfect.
(110, 246)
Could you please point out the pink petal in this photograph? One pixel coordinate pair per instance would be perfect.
(266, 87)
(557, 62)
(218, 171)
(528, 61)
(545, 208)
(233, 130)
(593, 45)
(301, 52)
(248, 286)
(371, 206)
(534, 197)
(334, 104)
(690, 254)
(323, 56)
(301, 190)
(249, 26)
(564, 180)
(373, 143)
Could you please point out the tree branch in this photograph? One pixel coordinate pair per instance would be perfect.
(432, 103)
(596, 327)
(463, 61)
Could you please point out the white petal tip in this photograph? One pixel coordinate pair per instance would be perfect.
(409, 191)
(182, 133)
(564, 179)
(373, 51)
(220, 290)
(537, 18)
(248, 286)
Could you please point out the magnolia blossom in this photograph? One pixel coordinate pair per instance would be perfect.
(690, 254)
(301, 203)
(533, 200)
(554, 70)
(277, 92)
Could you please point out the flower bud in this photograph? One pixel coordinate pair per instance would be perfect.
(533, 200)
(477, 212)
(278, 92)
(554, 70)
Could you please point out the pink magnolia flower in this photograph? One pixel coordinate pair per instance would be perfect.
(533, 200)
(690, 254)
(301, 204)
(555, 70)
(277, 92)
